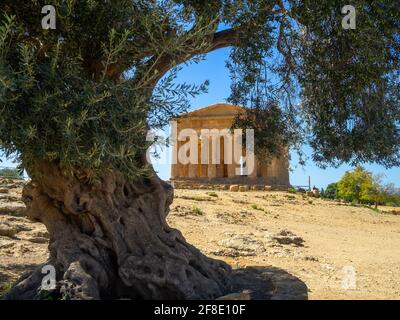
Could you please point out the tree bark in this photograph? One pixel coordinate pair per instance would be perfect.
(110, 240)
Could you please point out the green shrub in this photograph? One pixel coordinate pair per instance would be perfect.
(331, 191)
(197, 211)
(291, 190)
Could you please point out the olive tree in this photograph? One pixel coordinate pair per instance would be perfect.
(77, 100)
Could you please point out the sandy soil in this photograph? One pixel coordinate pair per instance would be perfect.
(309, 247)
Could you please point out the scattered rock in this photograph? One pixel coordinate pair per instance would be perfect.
(183, 211)
(243, 188)
(234, 188)
(311, 258)
(286, 237)
(240, 245)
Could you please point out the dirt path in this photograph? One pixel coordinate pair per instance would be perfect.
(309, 247)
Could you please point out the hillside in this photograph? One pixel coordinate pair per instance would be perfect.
(308, 247)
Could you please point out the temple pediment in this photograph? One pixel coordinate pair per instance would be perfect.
(215, 110)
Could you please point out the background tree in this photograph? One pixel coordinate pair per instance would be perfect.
(76, 104)
(362, 186)
(331, 191)
(356, 185)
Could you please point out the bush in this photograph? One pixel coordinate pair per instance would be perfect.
(331, 191)
(197, 211)
(291, 190)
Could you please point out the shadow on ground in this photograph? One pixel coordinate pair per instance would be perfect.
(263, 283)
(269, 283)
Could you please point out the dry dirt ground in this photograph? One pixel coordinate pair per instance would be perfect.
(309, 248)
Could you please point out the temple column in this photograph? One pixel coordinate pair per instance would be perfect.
(232, 166)
(212, 171)
(220, 164)
(272, 173)
(254, 174)
(175, 164)
(194, 167)
(283, 171)
(231, 170)
(192, 171)
(263, 170)
(211, 168)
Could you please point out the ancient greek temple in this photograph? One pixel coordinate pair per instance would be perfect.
(225, 170)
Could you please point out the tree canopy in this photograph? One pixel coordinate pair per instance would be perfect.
(331, 191)
(361, 186)
(86, 93)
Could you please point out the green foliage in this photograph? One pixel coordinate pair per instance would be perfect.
(86, 94)
(331, 191)
(361, 186)
(74, 94)
(268, 142)
(197, 211)
(350, 80)
(11, 173)
(354, 184)
(291, 190)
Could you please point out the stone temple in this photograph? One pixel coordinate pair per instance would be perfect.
(220, 116)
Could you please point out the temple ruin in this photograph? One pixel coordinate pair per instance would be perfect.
(220, 116)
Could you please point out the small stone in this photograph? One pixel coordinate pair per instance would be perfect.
(243, 188)
(234, 188)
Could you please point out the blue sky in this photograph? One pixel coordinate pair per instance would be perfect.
(213, 69)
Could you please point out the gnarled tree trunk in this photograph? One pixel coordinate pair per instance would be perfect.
(110, 240)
